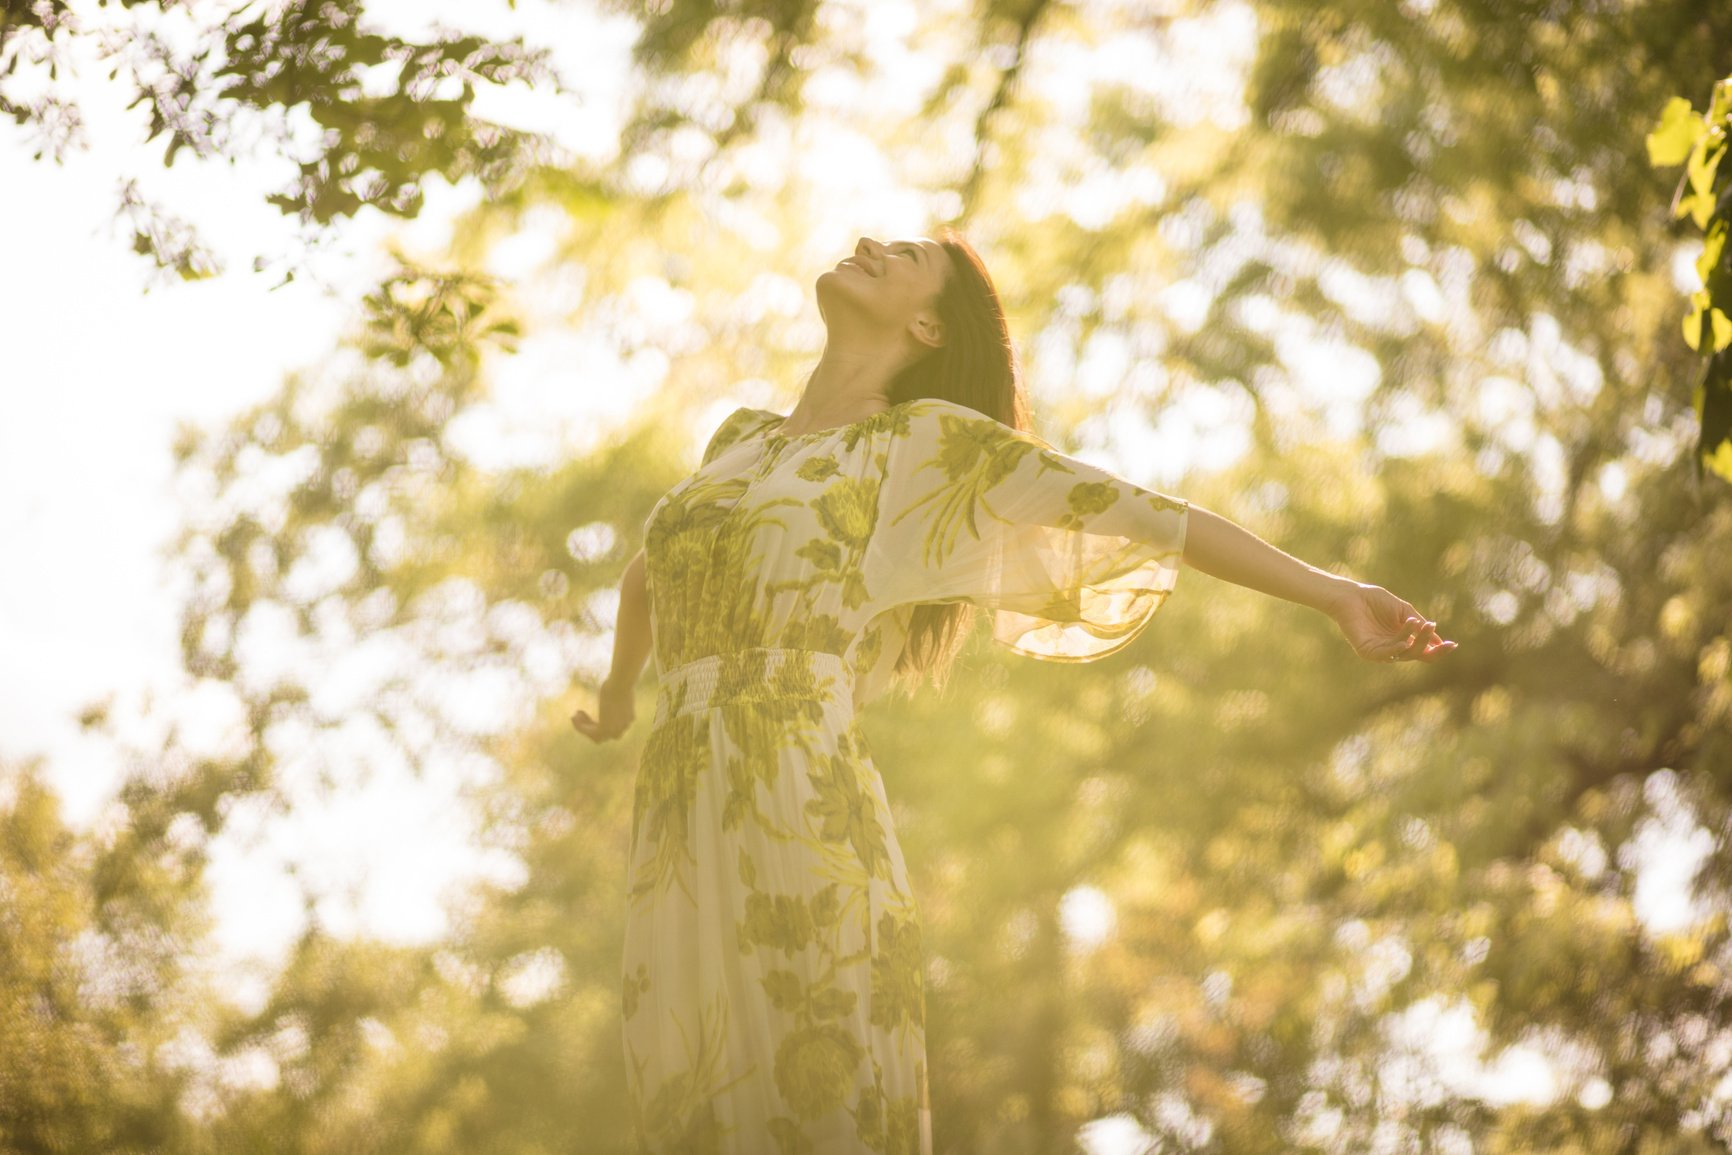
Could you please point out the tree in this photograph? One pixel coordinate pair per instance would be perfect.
(1418, 249)
(1698, 142)
(367, 117)
(98, 978)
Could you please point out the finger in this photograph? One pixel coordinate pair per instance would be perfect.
(1416, 628)
(1427, 642)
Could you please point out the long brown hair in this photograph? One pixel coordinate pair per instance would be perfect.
(977, 367)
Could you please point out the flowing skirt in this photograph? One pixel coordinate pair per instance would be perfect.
(773, 974)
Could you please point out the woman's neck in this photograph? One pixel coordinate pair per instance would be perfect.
(848, 385)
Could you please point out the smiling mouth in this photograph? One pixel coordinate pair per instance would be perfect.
(858, 264)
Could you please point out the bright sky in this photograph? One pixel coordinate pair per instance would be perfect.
(98, 374)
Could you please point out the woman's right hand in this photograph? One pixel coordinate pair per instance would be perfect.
(1383, 628)
(614, 709)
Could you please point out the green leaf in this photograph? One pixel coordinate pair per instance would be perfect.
(1720, 103)
(1719, 461)
(1713, 401)
(1679, 128)
(1699, 207)
(1693, 322)
(1704, 159)
(1713, 245)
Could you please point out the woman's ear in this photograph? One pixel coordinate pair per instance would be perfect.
(927, 328)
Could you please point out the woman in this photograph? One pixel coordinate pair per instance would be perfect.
(773, 968)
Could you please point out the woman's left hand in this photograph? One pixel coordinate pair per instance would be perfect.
(1383, 628)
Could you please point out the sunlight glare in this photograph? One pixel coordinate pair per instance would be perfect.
(1087, 915)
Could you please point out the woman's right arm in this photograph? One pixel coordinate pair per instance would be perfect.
(631, 639)
(631, 650)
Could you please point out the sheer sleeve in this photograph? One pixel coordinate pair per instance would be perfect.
(1071, 559)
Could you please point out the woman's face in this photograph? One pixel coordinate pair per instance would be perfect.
(887, 288)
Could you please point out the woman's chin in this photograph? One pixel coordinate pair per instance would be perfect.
(832, 282)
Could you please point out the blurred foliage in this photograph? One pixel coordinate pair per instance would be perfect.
(1698, 142)
(366, 118)
(1413, 252)
(95, 994)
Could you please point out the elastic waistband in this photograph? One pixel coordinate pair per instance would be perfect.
(753, 674)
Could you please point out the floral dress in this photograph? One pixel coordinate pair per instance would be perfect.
(773, 974)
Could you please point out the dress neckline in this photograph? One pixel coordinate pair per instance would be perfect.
(775, 433)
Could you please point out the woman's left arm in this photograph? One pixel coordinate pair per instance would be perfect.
(1226, 550)
(1379, 625)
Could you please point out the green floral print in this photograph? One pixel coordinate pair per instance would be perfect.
(773, 991)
